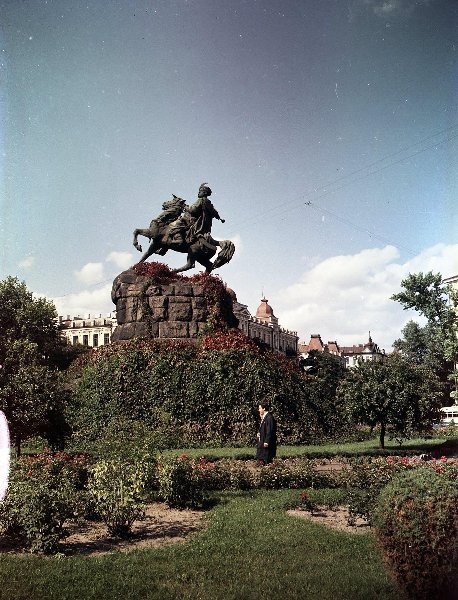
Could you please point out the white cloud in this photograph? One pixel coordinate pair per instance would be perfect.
(123, 260)
(98, 300)
(394, 8)
(27, 263)
(91, 273)
(342, 297)
(86, 302)
(385, 9)
(345, 297)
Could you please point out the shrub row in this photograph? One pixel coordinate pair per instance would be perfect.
(47, 490)
(365, 477)
(227, 474)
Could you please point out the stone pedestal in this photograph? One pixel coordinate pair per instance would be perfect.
(177, 310)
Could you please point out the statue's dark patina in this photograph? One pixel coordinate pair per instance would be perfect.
(187, 229)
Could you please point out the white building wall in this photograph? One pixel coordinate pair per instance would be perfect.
(88, 331)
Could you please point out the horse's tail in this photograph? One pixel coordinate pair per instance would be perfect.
(225, 254)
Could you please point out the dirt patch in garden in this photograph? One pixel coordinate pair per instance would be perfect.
(335, 519)
(161, 526)
(329, 467)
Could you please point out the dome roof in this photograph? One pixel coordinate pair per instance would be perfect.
(264, 309)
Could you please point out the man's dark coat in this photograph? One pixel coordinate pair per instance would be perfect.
(267, 434)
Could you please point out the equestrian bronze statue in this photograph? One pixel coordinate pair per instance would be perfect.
(187, 229)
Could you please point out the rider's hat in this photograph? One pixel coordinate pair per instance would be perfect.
(204, 190)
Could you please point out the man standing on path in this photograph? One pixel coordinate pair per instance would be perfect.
(267, 436)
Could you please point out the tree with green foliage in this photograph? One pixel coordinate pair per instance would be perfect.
(323, 372)
(26, 317)
(22, 316)
(30, 394)
(414, 344)
(399, 397)
(423, 346)
(428, 295)
(30, 346)
(435, 345)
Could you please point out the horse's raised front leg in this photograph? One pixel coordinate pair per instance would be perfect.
(137, 232)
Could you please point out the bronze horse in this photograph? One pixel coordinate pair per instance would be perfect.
(171, 231)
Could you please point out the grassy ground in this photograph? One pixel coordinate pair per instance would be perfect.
(369, 447)
(250, 550)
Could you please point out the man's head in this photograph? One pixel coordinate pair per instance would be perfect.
(204, 191)
(263, 408)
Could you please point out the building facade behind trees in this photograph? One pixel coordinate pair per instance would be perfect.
(350, 356)
(88, 331)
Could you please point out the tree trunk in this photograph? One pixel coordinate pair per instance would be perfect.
(382, 435)
(17, 445)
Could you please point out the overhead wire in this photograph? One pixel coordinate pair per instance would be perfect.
(294, 204)
(402, 150)
(324, 188)
(372, 234)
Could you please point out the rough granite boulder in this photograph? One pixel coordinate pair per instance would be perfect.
(177, 310)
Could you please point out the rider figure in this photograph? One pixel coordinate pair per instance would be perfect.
(187, 229)
(202, 213)
(196, 221)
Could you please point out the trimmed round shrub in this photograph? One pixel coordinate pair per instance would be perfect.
(416, 525)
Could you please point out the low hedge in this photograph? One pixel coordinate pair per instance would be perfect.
(365, 477)
(50, 488)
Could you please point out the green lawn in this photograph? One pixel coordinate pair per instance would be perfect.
(250, 550)
(415, 446)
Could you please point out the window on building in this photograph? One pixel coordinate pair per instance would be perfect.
(75, 340)
(85, 340)
(95, 340)
(106, 338)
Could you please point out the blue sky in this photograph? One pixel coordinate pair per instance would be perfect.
(109, 107)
